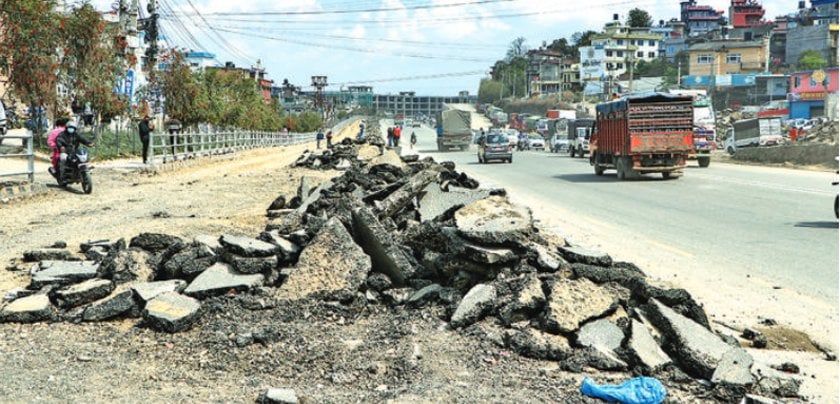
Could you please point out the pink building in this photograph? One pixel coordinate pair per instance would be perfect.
(808, 90)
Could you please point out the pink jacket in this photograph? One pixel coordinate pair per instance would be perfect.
(53, 135)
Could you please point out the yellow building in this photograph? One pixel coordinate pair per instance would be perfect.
(727, 57)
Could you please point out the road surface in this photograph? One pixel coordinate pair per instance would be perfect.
(750, 242)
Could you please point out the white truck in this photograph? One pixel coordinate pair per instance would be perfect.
(754, 132)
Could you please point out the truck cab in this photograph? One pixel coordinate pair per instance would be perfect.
(579, 135)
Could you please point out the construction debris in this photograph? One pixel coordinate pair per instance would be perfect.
(404, 235)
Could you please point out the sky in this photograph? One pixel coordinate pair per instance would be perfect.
(432, 47)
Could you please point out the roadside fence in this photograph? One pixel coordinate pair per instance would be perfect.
(29, 155)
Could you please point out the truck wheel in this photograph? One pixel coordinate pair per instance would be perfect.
(598, 169)
(580, 152)
(620, 170)
(666, 175)
(571, 152)
(730, 150)
(704, 161)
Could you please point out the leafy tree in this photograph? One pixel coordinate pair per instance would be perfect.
(89, 66)
(182, 91)
(489, 91)
(584, 38)
(639, 18)
(562, 46)
(29, 35)
(308, 121)
(811, 60)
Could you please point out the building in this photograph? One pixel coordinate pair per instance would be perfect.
(623, 46)
(199, 60)
(411, 105)
(549, 72)
(727, 57)
(698, 19)
(746, 13)
(809, 91)
(812, 28)
(257, 73)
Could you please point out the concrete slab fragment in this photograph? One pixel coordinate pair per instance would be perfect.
(600, 334)
(220, 279)
(155, 242)
(538, 344)
(49, 254)
(118, 304)
(494, 220)
(251, 265)
(62, 273)
(171, 312)
(147, 291)
(584, 255)
(331, 263)
(475, 304)
(436, 201)
(30, 309)
(645, 348)
(573, 302)
(694, 347)
(248, 247)
(278, 396)
(489, 256)
(734, 368)
(525, 302)
(385, 253)
(83, 293)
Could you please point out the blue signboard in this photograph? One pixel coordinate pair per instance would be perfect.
(128, 84)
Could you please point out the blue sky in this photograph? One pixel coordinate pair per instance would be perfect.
(433, 47)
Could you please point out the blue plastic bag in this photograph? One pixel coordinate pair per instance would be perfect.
(640, 390)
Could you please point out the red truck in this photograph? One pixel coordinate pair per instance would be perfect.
(645, 133)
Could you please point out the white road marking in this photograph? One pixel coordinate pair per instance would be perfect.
(761, 184)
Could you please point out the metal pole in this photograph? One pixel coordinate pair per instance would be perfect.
(30, 151)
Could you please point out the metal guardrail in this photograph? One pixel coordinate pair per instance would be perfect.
(30, 157)
(208, 141)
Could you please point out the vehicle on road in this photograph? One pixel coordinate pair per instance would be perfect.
(753, 133)
(76, 169)
(579, 135)
(644, 133)
(558, 143)
(455, 129)
(494, 146)
(3, 122)
(705, 132)
(536, 142)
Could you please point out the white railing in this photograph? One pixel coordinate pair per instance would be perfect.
(29, 155)
(208, 141)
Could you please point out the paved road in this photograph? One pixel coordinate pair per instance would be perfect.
(774, 225)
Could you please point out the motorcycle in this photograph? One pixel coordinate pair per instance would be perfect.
(522, 145)
(76, 169)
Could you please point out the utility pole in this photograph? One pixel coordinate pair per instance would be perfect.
(151, 53)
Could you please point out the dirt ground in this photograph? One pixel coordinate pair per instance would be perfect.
(244, 344)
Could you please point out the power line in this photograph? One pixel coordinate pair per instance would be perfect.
(368, 10)
(363, 50)
(221, 41)
(419, 77)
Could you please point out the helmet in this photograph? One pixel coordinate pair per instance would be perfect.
(71, 127)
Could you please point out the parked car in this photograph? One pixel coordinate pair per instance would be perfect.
(536, 142)
(558, 143)
(513, 137)
(494, 146)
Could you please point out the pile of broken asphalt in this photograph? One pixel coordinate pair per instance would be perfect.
(404, 237)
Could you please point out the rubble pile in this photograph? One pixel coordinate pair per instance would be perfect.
(823, 133)
(725, 119)
(411, 234)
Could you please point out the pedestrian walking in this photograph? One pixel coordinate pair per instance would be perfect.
(173, 125)
(145, 131)
(413, 139)
(329, 140)
(390, 137)
(397, 134)
(318, 138)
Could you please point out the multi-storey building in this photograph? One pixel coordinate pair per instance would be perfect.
(699, 19)
(549, 72)
(746, 13)
(623, 46)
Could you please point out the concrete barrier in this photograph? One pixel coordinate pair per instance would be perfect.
(798, 153)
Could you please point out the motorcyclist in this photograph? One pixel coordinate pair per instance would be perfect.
(523, 141)
(51, 138)
(67, 142)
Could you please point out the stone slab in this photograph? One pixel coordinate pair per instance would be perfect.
(475, 304)
(83, 293)
(494, 220)
(62, 273)
(435, 201)
(573, 302)
(332, 262)
(121, 302)
(575, 254)
(154, 242)
(49, 254)
(147, 291)
(30, 309)
(734, 368)
(386, 255)
(491, 256)
(694, 347)
(278, 396)
(220, 279)
(171, 312)
(526, 301)
(645, 348)
(251, 265)
(600, 334)
(248, 247)
(537, 344)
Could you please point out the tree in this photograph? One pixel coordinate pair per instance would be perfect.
(489, 91)
(811, 60)
(182, 92)
(584, 38)
(89, 63)
(639, 18)
(517, 49)
(562, 46)
(29, 38)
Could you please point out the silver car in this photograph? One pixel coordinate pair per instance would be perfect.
(494, 146)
